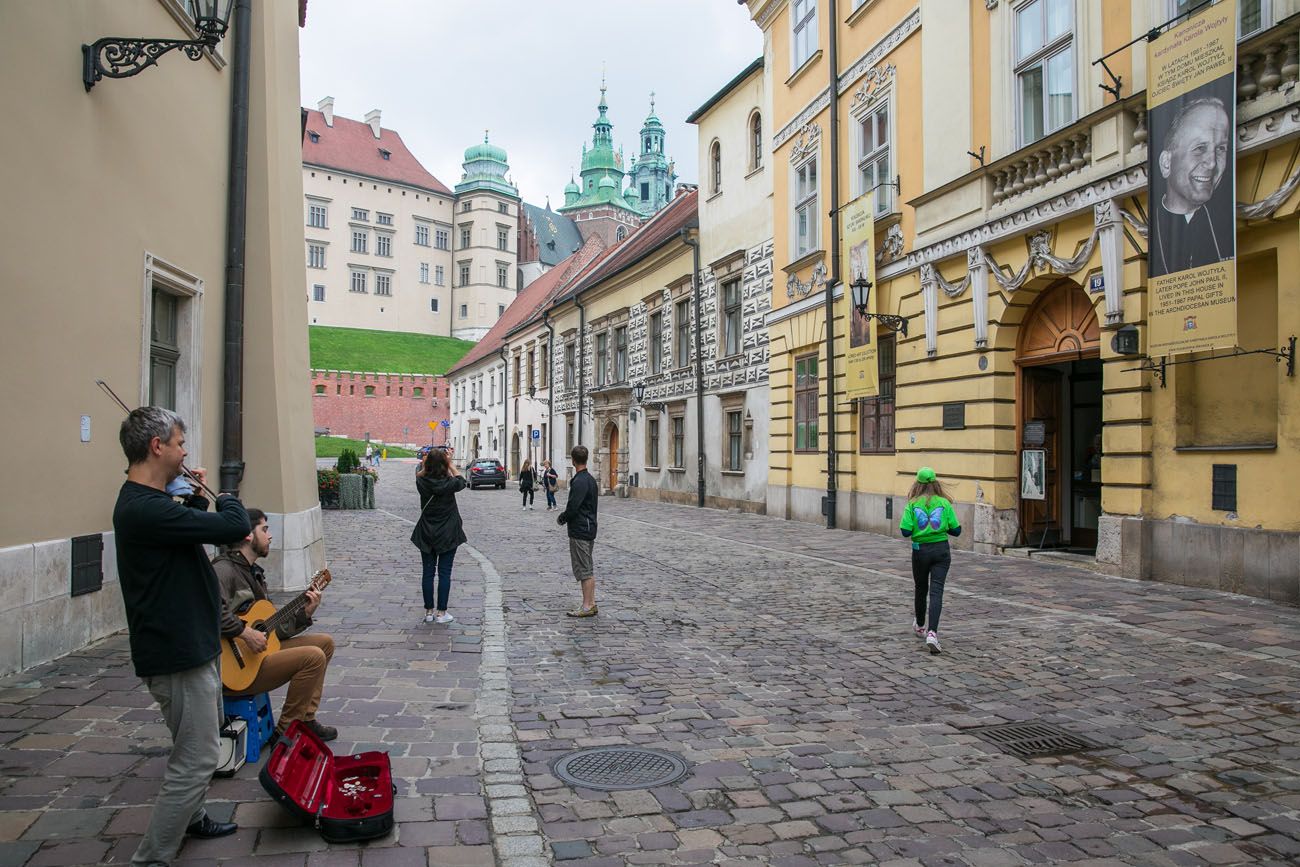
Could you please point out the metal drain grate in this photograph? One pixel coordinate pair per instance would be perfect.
(1033, 739)
(617, 768)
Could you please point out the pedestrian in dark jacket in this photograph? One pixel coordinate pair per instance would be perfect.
(527, 483)
(173, 608)
(579, 516)
(438, 532)
(550, 481)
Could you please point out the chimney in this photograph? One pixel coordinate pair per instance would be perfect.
(372, 118)
(326, 107)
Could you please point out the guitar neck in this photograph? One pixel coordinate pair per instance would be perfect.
(286, 613)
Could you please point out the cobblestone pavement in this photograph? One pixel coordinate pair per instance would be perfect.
(772, 656)
(776, 657)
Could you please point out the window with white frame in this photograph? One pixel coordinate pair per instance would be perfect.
(439, 275)
(602, 357)
(361, 214)
(683, 336)
(317, 216)
(501, 310)
(875, 165)
(164, 348)
(731, 324)
(360, 241)
(1252, 15)
(383, 284)
(318, 292)
(464, 311)
(503, 238)
(442, 239)
(384, 219)
(570, 365)
(383, 244)
(755, 141)
(656, 341)
(1044, 67)
(424, 272)
(715, 167)
(503, 275)
(503, 207)
(652, 443)
(735, 440)
(315, 255)
(466, 206)
(464, 274)
(679, 442)
(358, 282)
(807, 221)
(421, 235)
(620, 354)
(803, 20)
(466, 234)
(433, 305)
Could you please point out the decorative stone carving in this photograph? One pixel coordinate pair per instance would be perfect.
(795, 288)
(891, 40)
(801, 120)
(1049, 163)
(892, 247)
(810, 137)
(875, 79)
(1268, 206)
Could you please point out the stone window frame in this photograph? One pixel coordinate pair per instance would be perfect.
(725, 270)
(801, 395)
(361, 241)
(315, 261)
(653, 442)
(876, 406)
(421, 234)
(188, 290)
(677, 413)
(384, 244)
(732, 404)
(679, 293)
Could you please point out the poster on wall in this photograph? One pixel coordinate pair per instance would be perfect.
(1033, 474)
(862, 376)
(1191, 239)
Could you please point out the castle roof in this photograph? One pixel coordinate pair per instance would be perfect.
(350, 146)
(557, 235)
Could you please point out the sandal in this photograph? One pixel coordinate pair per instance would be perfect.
(582, 612)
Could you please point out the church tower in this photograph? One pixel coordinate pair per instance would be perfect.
(652, 175)
(596, 201)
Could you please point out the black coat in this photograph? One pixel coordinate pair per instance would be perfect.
(579, 513)
(526, 480)
(439, 528)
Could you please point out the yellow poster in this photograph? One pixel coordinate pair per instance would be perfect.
(1191, 236)
(862, 376)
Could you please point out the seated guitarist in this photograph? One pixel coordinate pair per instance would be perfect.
(301, 659)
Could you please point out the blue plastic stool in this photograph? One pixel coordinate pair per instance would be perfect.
(256, 711)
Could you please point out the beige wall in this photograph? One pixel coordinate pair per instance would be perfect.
(740, 213)
(96, 183)
(484, 300)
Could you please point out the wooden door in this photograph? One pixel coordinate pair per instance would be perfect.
(613, 457)
(1041, 405)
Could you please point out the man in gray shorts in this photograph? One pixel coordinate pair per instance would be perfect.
(579, 516)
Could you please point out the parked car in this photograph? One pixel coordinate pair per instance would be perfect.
(424, 450)
(486, 471)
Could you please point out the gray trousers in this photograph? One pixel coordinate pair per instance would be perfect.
(191, 705)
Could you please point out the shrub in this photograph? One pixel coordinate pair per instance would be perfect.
(327, 488)
(348, 461)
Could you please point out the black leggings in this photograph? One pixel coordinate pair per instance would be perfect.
(930, 565)
(528, 496)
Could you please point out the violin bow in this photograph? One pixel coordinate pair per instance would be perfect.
(126, 409)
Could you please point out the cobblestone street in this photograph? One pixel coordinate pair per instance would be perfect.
(773, 657)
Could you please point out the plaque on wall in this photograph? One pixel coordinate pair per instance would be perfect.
(954, 416)
(1035, 433)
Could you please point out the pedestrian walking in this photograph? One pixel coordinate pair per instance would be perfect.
(579, 516)
(173, 606)
(438, 532)
(370, 455)
(928, 521)
(550, 482)
(527, 483)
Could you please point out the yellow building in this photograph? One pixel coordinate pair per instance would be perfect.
(1015, 247)
(114, 251)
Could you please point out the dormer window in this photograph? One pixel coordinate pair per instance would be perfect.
(385, 154)
(313, 135)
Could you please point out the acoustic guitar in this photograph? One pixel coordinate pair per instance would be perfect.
(239, 663)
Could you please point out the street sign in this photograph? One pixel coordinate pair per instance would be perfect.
(445, 423)
(537, 434)
(433, 425)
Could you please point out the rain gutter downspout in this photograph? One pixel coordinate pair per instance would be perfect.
(550, 384)
(699, 365)
(582, 360)
(505, 402)
(232, 409)
(833, 61)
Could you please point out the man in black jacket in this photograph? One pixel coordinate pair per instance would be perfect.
(173, 608)
(579, 516)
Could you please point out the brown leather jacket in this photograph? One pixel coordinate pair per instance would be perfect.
(242, 584)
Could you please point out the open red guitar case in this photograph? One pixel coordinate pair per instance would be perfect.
(346, 798)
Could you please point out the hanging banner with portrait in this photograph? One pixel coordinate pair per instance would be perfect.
(1191, 237)
(857, 234)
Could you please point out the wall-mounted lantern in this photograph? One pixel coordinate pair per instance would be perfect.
(125, 56)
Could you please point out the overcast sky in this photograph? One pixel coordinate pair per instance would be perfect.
(529, 71)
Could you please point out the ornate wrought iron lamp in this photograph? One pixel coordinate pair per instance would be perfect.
(125, 56)
(861, 288)
(638, 395)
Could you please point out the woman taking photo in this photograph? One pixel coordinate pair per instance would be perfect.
(438, 532)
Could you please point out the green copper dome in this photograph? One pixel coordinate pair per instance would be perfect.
(485, 151)
(631, 195)
(485, 169)
(607, 183)
(572, 187)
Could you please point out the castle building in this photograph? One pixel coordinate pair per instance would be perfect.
(486, 238)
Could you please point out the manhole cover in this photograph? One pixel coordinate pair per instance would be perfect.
(1033, 739)
(616, 768)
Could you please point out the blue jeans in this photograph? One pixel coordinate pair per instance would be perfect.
(550, 498)
(438, 565)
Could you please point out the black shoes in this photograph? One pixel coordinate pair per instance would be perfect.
(325, 733)
(206, 828)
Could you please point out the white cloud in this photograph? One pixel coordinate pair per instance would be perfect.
(528, 70)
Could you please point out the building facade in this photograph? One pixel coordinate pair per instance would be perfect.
(486, 242)
(378, 229)
(140, 299)
(404, 409)
(1019, 259)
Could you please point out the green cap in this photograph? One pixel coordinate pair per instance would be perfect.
(925, 475)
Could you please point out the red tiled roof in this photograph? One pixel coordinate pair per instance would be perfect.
(350, 146)
(681, 213)
(535, 295)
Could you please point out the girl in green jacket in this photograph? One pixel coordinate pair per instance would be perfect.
(928, 521)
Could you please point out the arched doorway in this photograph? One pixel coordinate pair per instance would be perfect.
(1058, 371)
(611, 433)
(514, 454)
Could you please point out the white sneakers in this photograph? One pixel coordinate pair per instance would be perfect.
(430, 617)
(932, 643)
(445, 617)
(918, 630)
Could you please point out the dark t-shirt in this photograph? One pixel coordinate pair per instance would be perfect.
(173, 604)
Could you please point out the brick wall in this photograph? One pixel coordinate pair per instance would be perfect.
(391, 407)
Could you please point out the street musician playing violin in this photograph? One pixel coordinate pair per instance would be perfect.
(301, 659)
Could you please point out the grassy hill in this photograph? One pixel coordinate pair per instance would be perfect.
(383, 351)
